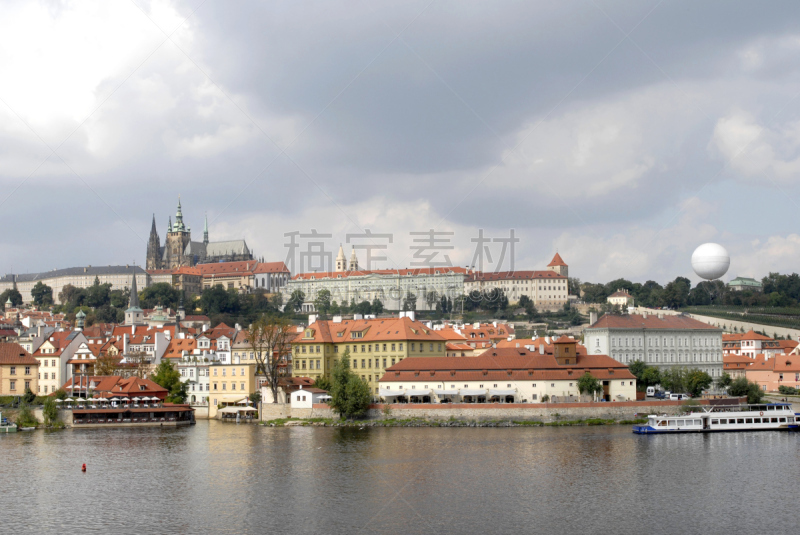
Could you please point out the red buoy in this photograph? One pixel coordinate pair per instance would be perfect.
(83, 468)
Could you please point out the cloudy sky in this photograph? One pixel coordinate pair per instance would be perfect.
(622, 135)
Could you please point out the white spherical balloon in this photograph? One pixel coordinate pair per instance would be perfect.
(710, 261)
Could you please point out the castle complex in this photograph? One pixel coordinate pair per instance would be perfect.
(179, 250)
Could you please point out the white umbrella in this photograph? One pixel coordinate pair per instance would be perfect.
(137, 399)
(114, 399)
(59, 401)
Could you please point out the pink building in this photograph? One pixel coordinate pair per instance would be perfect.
(770, 373)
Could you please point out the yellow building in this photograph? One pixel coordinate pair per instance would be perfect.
(229, 384)
(374, 345)
(19, 371)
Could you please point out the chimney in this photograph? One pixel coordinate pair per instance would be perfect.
(592, 318)
(547, 340)
(644, 315)
(411, 314)
(661, 315)
(312, 318)
(541, 349)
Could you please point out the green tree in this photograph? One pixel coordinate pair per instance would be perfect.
(430, 299)
(322, 382)
(322, 303)
(162, 293)
(42, 294)
(50, 413)
(13, 294)
(377, 306)
(296, 300)
(651, 376)
(697, 381)
(350, 396)
(25, 417)
(255, 398)
(741, 387)
(637, 368)
(218, 300)
(170, 378)
(410, 301)
(724, 381)
(589, 385)
(28, 396)
(363, 308)
(525, 301)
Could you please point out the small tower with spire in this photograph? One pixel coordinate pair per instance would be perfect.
(134, 315)
(353, 260)
(205, 231)
(341, 261)
(558, 265)
(80, 320)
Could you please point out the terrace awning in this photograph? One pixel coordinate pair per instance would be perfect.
(415, 392)
(496, 392)
(394, 394)
(472, 392)
(446, 392)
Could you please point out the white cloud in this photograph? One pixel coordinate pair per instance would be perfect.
(756, 150)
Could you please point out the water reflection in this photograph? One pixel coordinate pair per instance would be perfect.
(216, 477)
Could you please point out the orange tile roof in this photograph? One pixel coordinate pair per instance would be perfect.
(15, 354)
(514, 275)
(227, 268)
(271, 267)
(360, 273)
(178, 345)
(517, 364)
(557, 261)
(372, 330)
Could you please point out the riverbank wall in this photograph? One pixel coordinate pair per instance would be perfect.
(544, 412)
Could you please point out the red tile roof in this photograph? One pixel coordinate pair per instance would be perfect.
(637, 321)
(360, 273)
(372, 330)
(557, 261)
(518, 364)
(16, 355)
(271, 267)
(514, 275)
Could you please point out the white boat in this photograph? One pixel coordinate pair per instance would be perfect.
(762, 417)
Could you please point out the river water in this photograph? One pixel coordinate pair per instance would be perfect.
(227, 478)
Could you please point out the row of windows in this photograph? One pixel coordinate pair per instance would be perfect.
(233, 386)
(552, 385)
(656, 342)
(12, 385)
(13, 370)
(233, 372)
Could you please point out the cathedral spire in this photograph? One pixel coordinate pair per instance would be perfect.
(205, 231)
(179, 226)
(153, 227)
(134, 300)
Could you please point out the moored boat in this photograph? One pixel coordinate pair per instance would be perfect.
(761, 417)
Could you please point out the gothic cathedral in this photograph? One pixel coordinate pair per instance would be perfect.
(179, 249)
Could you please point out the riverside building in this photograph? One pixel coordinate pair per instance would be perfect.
(511, 375)
(374, 345)
(660, 340)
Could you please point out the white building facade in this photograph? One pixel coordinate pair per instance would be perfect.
(391, 286)
(657, 340)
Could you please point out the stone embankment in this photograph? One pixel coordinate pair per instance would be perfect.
(471, 413)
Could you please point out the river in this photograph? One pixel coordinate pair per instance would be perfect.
(228, 478)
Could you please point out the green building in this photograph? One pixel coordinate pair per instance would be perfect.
(744, 283)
